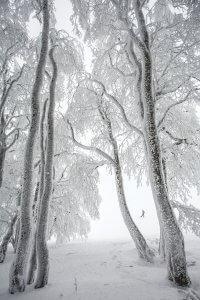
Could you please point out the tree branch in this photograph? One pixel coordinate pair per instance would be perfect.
(173, 105)
(7, 90)
(89, 148)
(120, 107)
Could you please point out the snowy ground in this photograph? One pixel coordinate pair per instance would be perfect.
(103, 271)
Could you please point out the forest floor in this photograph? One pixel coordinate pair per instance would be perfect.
(104, 271)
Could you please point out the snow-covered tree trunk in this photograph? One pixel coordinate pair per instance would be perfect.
(16, 235)
(174, 242)
(18, 268)
(33, 258)
(162, 246)
(143, 249)
(6, 239)
(2, 148)
(41, 232)
(38, 195)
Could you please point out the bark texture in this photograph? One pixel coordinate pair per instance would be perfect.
(33, 259)
(41, 232)
(17, 231)
(38, 194)
(6, 239)
(2, 148)
(142, 247)
(18, 268)
(174, 243)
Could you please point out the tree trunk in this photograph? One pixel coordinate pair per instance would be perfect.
(6, 239)
(41, 232)
(162, 246)
(2, 148)
(175, 252)
(32, 262)
(18, 268)
(38, 192)
(17, 231)
(143, 249)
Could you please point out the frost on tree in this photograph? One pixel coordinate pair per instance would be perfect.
(41, 230)
(100, 125)
(135, 45)
(18, 268)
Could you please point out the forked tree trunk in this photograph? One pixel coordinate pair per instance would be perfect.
(143, 249)
(41, 232)
(174, 243)
(6, 239)
(18, 268)
(38, 195)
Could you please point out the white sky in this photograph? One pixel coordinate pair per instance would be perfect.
(111, 225)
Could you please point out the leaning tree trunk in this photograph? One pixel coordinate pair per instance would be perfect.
(41, 232)
(143, 249)
(6, 239)
(18, 268)
(174, 242)
(39, 190)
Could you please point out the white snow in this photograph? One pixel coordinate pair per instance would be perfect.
(103, 271)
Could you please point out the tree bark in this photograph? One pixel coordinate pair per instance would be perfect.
(16, 237)
(38, 194)
(2, 148)
(175, 252)
(33, 258)
(18, 268)
(6, 239)
(41, 232)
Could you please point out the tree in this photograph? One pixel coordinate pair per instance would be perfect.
(129, 17)
(41, 231)
(37, 198)
(109, 141)
(17, 272)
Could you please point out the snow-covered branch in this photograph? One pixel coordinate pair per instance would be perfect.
(89, 148)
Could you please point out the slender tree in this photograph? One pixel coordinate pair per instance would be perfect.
(41, 231)
(175, 253)
(142, 247)
(18, 268)
(38, 196)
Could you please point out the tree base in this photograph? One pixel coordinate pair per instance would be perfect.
(180, 280)
(17, 284)
(41, 283)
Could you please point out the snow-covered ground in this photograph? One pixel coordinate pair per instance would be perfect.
(103, 271)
